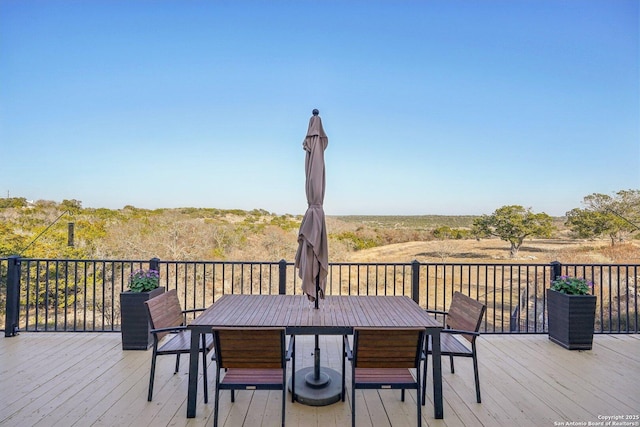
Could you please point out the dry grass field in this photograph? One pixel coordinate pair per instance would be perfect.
(495, 250)
(410, 238)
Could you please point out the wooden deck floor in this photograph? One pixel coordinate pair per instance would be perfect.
(73, 379)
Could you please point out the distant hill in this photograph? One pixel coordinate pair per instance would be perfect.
(419, 222)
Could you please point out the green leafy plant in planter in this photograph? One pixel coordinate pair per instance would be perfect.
(571, 312)
(572, 285)
(144, 280)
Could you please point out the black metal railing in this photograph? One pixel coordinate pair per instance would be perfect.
(83, 295)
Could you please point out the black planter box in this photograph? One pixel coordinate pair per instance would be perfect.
(134, 319)
(571, 319)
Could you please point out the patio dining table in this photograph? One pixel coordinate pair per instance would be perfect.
(337, 315)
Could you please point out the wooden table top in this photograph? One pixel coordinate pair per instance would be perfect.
(336, 314)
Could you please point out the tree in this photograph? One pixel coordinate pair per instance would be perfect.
(10, 241)
(605, 215)
(13, 202)
(73, 205)
(513, 224)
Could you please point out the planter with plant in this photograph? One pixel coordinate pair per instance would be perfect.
(134, 325)
(571, 312)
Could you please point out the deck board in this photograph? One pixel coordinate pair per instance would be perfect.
(85, 379)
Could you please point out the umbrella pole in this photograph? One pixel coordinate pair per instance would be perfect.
(316, 353)
(316, 361)
(313, 387)
(316, 305)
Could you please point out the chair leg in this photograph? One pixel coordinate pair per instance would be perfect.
(152, 374)
(475, 372)
(177, 363)
(424, 378)
(418, 400)
(233, 396)
(293, 369)
(453, 369)
(353, 396)
(204, 368)
(284, 398)
(344, 357)
(402, 395)
(353, 407)
(217, 399)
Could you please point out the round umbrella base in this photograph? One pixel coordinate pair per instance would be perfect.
(322, 392)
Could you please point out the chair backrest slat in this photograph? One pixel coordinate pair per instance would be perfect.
(465, 314)
(256, 348)
(165, 311)
(387, 348)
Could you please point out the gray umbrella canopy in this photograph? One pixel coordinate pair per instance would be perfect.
(312, 257)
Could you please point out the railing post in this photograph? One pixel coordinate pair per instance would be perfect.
(13, 297)
(154, 264)
(70, 233)
(415, 281)
(282, 277)
(556, 270)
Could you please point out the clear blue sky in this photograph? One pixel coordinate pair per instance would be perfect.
(431, 107)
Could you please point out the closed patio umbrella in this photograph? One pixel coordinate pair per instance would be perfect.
(313, 386)
(312, 257)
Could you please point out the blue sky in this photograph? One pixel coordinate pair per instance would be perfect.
(431, 107)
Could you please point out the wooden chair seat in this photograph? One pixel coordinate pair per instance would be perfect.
(451, 345)
(252, 377)
(391, 376)
(181, 343)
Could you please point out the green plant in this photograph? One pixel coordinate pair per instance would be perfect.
(357, 240)
(144, 280)
(571, 285)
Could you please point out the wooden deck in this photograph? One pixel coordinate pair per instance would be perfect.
(74, 379)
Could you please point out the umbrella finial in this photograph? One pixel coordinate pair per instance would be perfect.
(315, 112)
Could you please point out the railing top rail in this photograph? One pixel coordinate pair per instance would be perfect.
(342, 263)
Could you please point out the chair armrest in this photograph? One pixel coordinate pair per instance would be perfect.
(437, 312)
(186, 312)
(347, 347)
(193, 310)
(459, 332)
(174, 329)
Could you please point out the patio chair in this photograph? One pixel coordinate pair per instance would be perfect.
(463, 319)
(169, 320)
(252, 359)
(382, 359)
